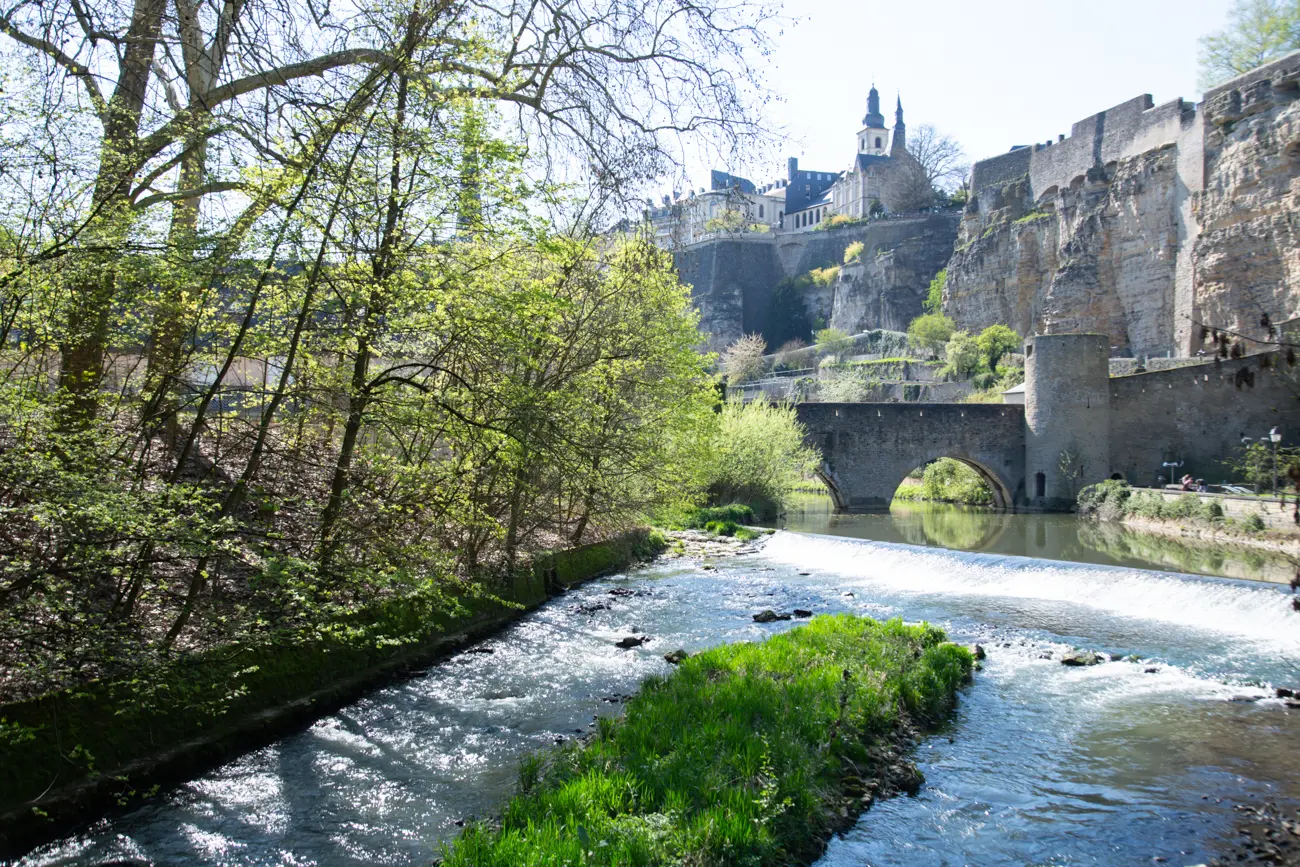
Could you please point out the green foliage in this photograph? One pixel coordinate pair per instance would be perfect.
(730, 220)
(853, 252)
(833, 341)
(1253, 464)
(995, 342)
(1113, 499)
(930, 332)
(948, 481)
(758, 456)
(1253, 523)
(699, 517)
(825, 276)
(1258, 31)
(933, 302)
(963, 355)
(741, 757)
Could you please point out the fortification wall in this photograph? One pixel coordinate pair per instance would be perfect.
(1145, 223)
(1199, 415)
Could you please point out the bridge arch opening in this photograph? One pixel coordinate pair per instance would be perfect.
(968, 481)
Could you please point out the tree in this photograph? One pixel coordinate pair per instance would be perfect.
(1258, 31)
(995, 342)
(933, 302)
(833, 341)
(963, 354)
(935, 165)
(929, 333)
(743, 360)
(759, 456)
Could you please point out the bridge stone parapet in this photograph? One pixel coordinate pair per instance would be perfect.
(869, 448)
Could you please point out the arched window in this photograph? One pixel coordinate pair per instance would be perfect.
(760, 212)
(1040, 485)
(878, 141)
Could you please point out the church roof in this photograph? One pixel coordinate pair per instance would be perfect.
(865, 160)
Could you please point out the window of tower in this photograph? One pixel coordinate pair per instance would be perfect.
(877, 141)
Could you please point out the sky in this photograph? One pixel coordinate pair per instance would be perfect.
(991, 73)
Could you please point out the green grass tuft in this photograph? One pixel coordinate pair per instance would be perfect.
(745, 755)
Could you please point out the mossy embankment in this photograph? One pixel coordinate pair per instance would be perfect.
(70, 755)
(748, 754)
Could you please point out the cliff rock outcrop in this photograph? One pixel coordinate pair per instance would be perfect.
(1145, 224)
(1247, 254)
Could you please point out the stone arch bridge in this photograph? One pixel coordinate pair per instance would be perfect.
(869, 448)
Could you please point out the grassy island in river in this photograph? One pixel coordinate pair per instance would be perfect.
(748, 754)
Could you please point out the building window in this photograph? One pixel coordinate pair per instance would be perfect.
(1040, 485)
(760, 212)
(877, 141)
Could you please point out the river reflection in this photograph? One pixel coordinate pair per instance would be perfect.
(1051, 537)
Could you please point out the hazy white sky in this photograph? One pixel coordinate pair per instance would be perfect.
(993, 73)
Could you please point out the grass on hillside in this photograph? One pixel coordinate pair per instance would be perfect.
(748, 754)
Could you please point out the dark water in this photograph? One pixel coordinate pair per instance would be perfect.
(1042, 764)
(1052, 537)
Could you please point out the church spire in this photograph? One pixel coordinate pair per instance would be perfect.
(898, 141)
(874, 119)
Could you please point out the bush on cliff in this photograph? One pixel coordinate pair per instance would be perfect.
(749, 754)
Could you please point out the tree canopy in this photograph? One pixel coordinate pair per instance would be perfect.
(1258, 31)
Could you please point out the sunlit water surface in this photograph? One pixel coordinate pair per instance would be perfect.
(1042, 764)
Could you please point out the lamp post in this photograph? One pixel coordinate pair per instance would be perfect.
(1276, 436)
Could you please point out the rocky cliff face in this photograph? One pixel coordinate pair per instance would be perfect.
(1247, 255)
(733, 279)
(1145, 225)
(1097, 256)
(886, 290)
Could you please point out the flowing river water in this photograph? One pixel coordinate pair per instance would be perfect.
(1042, 764)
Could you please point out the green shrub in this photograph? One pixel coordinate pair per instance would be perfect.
(758, 456)
(1253, 523)
(853, 252)
(748, 754)
(929, 333)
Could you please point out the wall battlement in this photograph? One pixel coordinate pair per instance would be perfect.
(1125, 130)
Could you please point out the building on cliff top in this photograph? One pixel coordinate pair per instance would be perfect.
(877, 182)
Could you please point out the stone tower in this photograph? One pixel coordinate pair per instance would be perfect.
(1067, 416)
(873, 137)
(898, 141)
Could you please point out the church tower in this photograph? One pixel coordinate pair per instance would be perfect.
(898, 144)
(873, 136)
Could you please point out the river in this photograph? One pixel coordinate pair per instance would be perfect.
(1042, 764)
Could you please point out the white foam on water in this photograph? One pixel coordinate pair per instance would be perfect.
(1258, 612)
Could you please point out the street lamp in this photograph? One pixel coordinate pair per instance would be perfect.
(1276, 436)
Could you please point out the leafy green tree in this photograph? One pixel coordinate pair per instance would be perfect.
(963, 355)
(929, 333)
(995, 342)
(933, 302)
(758, 456)
(1258, 31)
(833, 341)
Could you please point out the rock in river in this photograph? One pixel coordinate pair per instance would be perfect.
(632, 641)
(676, 656)
(802, 613)
(1080, 657)
(769, 616)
